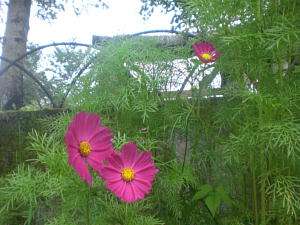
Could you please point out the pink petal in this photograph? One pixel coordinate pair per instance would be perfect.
(115, 161)
(129, 194)
(216, 55)
(144, 180)
(94, 161)
(102, 142)
(147, 171)
(103, 134)
(73, 153)
(129, 154)
(71, 142)
(202, 47)
(79, 125)
(105, 150)
(127, 191)
(81, 168)
(143, 159)
(109, 173)
(139, 190)
(85, 125)
(143, 187)
(70, 138)
(100, 154)
(117, 187)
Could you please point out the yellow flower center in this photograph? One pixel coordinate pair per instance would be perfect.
(85, 148)
(127, 174)
(206, 56)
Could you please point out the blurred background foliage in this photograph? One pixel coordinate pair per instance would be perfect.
(226, 156)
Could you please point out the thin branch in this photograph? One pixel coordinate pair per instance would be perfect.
(37, 49)
(190, 75)
(187, 79)
(163, 31)
(29, 74)
(74, 81)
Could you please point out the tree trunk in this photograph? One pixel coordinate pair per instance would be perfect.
(14, 45)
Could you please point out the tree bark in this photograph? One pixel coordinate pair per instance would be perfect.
(14, 45)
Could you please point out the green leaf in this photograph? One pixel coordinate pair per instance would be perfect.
(203, 192)
(213, 202)
(224, 196)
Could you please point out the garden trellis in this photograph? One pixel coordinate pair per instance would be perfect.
(97, 40)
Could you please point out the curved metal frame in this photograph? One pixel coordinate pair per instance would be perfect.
(28, 73)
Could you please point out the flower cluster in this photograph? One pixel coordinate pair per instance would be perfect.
(128, 174)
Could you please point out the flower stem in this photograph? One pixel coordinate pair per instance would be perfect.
(254, 189)
(262, 168)
(254, 196)
(186, 142)
(88, 208)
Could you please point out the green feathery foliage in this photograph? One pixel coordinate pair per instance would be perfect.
(230, 160)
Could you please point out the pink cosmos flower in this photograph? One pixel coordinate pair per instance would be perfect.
(88, 143)
(130, 174)
(206, 52)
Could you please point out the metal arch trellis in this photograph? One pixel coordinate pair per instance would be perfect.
(37, 49)
(28, 73)
(34, 78)
(190, 35)
(44, 89)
